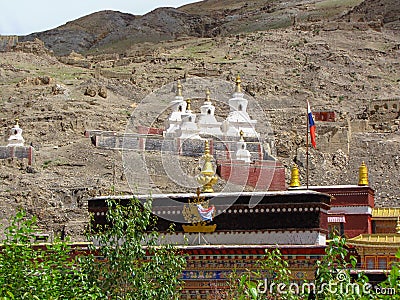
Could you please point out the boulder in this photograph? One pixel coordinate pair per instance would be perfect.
(91, 91)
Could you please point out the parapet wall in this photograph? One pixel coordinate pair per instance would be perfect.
(19, 152)
(155, 142)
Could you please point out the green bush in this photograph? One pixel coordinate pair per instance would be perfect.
(126, 264)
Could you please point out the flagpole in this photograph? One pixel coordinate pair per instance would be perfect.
(308, 125)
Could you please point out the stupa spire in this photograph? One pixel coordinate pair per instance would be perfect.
(241, 133)
(208, 98)
(207, 177)
(188, 108)
(238, 81)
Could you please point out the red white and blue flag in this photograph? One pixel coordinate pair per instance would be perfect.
(311, 125)
(206, 214)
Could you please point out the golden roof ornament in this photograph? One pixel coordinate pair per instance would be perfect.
(199, 213)
(363, 175)
(188, 105)
(294, 177)
(238, 86)
(16, 121)
(398, 225)
(207, 177)
(179, 88)
(241, 133)
(208, 99)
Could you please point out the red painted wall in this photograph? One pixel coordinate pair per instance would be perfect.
(260, 174)
(356, 225)
(150, 130)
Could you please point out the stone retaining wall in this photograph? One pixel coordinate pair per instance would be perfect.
(19, 152)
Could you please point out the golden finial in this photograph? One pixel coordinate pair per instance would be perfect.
(238, 82)
(241, 133)
(179, 88)
(188, 104)
(207, 178)
(398, 225)
(16, 121)
(206, 148)
(295, 177)
(208, 99)
(363, 174)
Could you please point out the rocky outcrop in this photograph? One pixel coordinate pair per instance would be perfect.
(40, 80)
(36, 47)
(379, 12)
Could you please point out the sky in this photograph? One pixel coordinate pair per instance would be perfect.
(22, 17)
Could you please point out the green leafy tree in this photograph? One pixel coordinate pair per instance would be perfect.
(134, 264)
(332, 276)
(32, 271)
(128, 263)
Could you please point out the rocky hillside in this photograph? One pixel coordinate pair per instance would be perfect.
(110, 31)
(343, 65)
(385, 11)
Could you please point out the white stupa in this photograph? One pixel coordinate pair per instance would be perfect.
(241, 150)
(16, 138)
(238, 118)
(188, 128)
(178, 108)
(207, 122)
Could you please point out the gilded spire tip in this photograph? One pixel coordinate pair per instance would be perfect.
(188, 104)
(238, 86)
(208, 93)
(207, 177)
(241, 133)
(206, 147)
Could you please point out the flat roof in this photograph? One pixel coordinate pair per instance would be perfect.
(345, 186)
(219, 194)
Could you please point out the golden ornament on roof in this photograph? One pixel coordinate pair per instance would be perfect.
(294, 177)
(191, 214)
(363, 174)
(207, 177)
